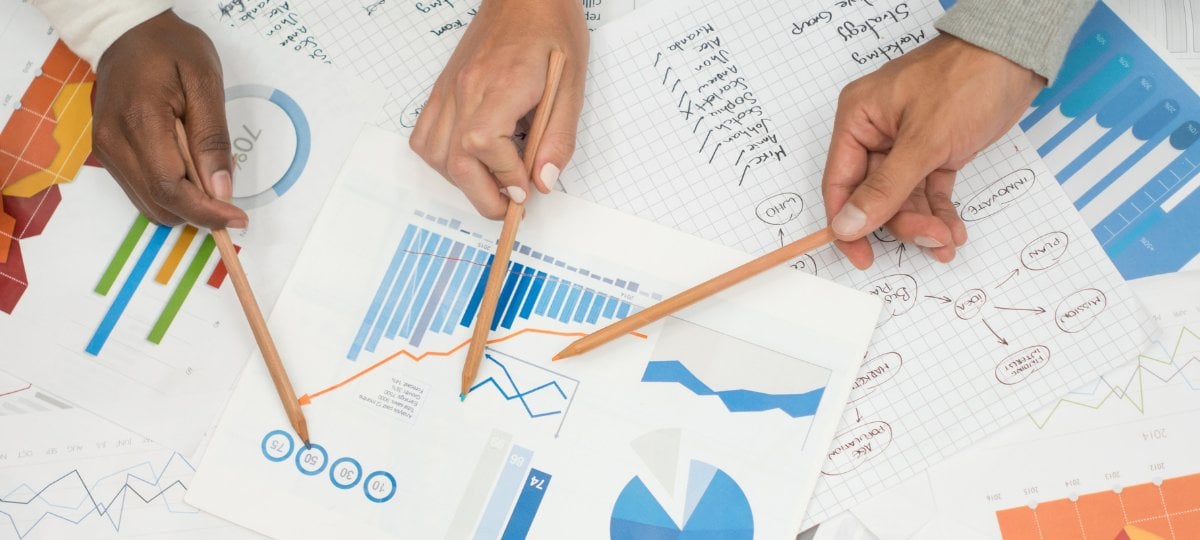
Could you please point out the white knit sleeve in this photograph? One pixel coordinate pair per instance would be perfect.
(88, 27)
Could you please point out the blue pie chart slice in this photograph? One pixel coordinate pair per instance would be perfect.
(716, 509)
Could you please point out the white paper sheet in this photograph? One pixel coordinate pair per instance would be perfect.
(701, 425)
(1133, 426)
(714, 118)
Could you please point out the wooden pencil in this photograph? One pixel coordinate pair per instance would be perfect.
(258, 324)
(697, 293)
(508, 234)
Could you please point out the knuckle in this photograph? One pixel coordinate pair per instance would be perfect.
(459, 167)
(164, 191)
(880, 188)
(470, 77)
(212, 139)
(478, 140)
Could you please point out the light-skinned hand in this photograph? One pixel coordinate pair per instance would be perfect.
(902, 133)
(494, 79)
(158, 71)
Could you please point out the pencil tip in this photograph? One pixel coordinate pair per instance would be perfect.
(307, 445)
(462, 397)
(557, 357)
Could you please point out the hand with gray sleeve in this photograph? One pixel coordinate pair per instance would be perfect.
(902, 132)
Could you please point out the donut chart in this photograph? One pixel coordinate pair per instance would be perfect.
(244, 139)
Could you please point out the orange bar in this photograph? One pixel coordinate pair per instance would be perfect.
(176, 255)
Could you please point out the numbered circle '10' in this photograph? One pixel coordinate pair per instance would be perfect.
(344, 473)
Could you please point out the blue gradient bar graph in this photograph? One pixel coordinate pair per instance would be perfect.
(508, 485)
(380, 293)
(527, 505)
(126, 293)
(1137, 196)
(434, 284)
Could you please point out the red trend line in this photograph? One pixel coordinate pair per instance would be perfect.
(307, 398)
(11, 392)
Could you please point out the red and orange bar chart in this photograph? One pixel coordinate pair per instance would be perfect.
(141, 267)
(1152, 511)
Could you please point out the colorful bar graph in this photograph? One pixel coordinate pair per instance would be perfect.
(175, 255)
(123, 252)
(126, 293)
(527, 505)
(507, 487)
(183, 288)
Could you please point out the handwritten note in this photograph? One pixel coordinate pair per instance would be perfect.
(714, 117)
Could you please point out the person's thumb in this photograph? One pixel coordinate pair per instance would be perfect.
(884, 190)
(558, 142)
(208, 137)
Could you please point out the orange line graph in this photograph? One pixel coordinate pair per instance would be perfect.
(307, 398)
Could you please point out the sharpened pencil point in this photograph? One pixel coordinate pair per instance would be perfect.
(462, 397)
(307, 445)
(557, 357)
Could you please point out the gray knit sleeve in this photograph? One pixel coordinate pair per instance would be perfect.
(1032, 33)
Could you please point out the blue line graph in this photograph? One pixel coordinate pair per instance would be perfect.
(794, 405)
(435, 280)
(512, 391)
(112, 508)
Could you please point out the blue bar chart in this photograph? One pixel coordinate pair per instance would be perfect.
(1118, 129)
(435, 280)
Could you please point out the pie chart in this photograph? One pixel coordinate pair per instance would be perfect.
(715, 508)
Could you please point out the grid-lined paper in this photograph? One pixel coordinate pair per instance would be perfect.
(962, 349)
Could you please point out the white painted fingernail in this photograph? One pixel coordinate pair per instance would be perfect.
(550, 174)
(850, 221)
(222, 186)
(925, 241)
(516, 194)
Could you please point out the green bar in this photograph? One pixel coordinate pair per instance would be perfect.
(122, 255)
(181, 291)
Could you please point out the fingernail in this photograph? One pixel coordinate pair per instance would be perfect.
(222, 186)
(925, 241)
(516, 194)
(550, 174)
(237, 224)
(849, 222)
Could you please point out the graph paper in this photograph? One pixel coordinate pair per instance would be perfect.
(714, 117)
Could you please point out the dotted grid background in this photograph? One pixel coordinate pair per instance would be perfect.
(636, 153)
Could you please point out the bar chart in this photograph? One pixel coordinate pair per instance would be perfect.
(503, 474)
(434, 284)
(1119, 129)
(183, 243)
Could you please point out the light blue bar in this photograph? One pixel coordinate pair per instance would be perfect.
(597, 305)
(623, 311)
(536, 285)
(547, 294)
(384, 285)
(389, 307)
(126, 293)
(610, 308)
(508, 485)
(460, 272)
(560, 295)
(437, 296)
(585, 303)
(417, 309)
(571, 303)
(414, 283)
(468, 289)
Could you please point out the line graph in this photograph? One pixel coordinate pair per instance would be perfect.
(1179, 362)
(738, 400)
(417, 357)
(549, 398)
(72, 499)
